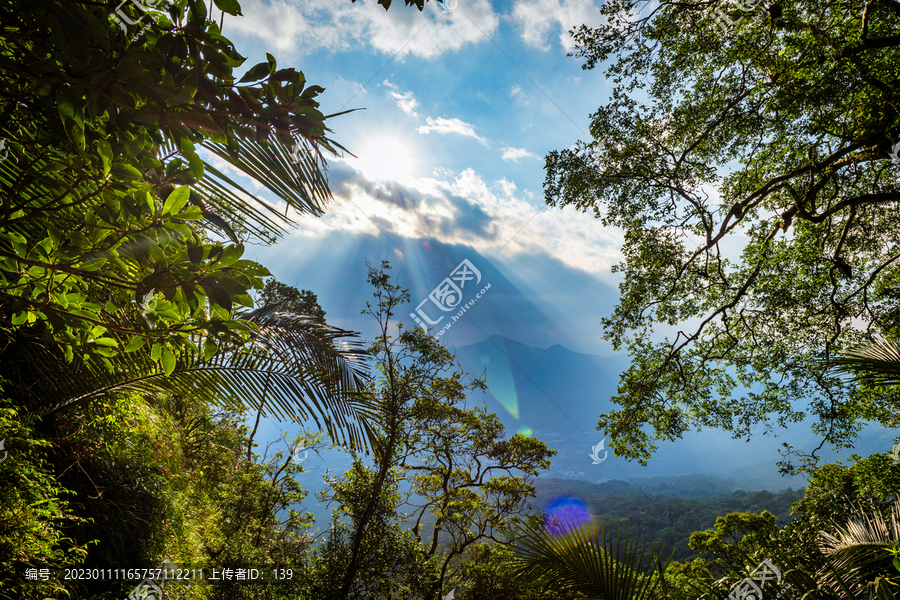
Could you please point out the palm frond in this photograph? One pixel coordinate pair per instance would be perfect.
(875, 362)
(585, 559)
(295, 175)
(293, 367)
(865, 527)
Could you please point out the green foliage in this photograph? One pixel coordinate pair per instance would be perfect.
(299, 302)
(447, 467)
(736, 535)
(787, 257)
(104, 188)
(585, 559)
(35, 511)
(295, 364)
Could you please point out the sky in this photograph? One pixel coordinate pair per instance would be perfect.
(458, 109)
(455, 112)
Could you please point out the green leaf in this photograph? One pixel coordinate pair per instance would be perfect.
(195, 254)
(125, 173)
(255, 73)
(176, 200)
(92, 264)
(230, 6)
(106, 155)
(168, 362)
(136, 343)
(219, 296)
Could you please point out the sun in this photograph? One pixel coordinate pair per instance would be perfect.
(384, 158)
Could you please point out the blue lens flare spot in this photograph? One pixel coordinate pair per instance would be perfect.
(565, 513)
(526, 431)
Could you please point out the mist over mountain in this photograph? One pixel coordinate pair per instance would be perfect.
(556, 395)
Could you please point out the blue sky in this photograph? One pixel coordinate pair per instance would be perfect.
(460, 109)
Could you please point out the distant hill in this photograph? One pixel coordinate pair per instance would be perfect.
(557, 395)
(685, 486)
(666, 510)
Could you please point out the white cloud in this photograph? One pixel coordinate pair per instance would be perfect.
(442, 126)
(519, 94)
(464, 209)
(405, 101)
(340, 25)
(514, 154)
(539, 18)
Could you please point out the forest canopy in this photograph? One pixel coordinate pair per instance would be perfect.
(748, 160)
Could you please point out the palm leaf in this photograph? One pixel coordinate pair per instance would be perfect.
(296, 175)
(584, 559)
(293, 367)
(875, 362)
(857, 549)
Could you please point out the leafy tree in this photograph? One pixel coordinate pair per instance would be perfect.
(750, 172)
(107, 209)
(444, 468)
(290, 299)
(736, 535)
(103, 182)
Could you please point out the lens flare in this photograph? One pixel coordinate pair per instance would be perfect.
(564, 514)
